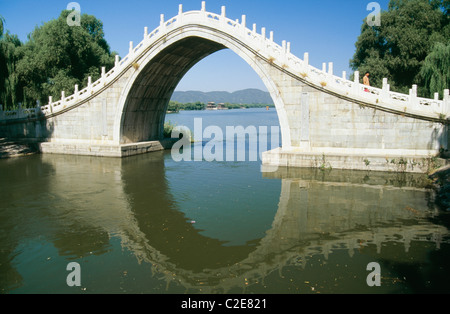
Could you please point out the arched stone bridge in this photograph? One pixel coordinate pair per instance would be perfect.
(324, 118)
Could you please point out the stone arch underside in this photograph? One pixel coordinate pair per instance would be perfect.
(149, 96)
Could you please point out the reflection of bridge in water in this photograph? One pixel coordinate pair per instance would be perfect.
(318, 213)
(315, 216)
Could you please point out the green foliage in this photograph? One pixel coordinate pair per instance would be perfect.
(55, 58)
(435, 71)
(175, 106)
(397, 49)
(9, 57)
(58, 56)
(168, 128)
(446, 6)
(2, 21)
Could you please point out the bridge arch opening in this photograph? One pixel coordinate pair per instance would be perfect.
(144, 101)
(149, 96)
(223, 71)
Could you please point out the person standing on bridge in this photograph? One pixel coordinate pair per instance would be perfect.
(366, 81)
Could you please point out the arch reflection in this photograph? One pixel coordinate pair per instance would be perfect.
(80, 204)
(317, 213)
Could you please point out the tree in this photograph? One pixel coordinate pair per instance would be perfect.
(9, 88)
(2, 21)
(398, 47)
(435, 71)
(446, 6)
(58, 56)
(2, 66)
(8, 60)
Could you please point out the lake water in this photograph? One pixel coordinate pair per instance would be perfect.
(149, 224)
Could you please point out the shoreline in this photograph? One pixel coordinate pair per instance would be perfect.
(14, 149)
(441, 184)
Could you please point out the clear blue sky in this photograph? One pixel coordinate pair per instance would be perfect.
(326, 29)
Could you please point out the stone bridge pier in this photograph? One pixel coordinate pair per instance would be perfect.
(325, 120)
(328, 129)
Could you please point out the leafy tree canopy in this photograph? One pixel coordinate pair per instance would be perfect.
(435, 71)
(8, 59)
(58, 56)
(397, 49)
(2, 20)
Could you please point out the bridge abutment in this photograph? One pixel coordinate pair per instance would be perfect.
(104, 150)
(333, 131)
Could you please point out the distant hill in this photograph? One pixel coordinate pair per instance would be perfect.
(246, 96)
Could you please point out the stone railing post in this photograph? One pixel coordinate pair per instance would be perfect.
(89, 85)
(117, 60)
(130, 49)
(413, 101)
(103, 75)
(330, 68)
(305, 72)
(180, 13)
(38, 110)
(20, 113)
(162, 27)
(283, 52)
(145, 32)
(223, 11)
(329, 76)
(223, 15)
(306, 58)
(384, 95)
(243, 25)
(75, 93)
(50, 103)
(203, 11)
(323, 76)
(446, 102)
(63, 97)
(356, 82)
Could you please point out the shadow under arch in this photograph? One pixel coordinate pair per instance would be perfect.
(144, 100)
